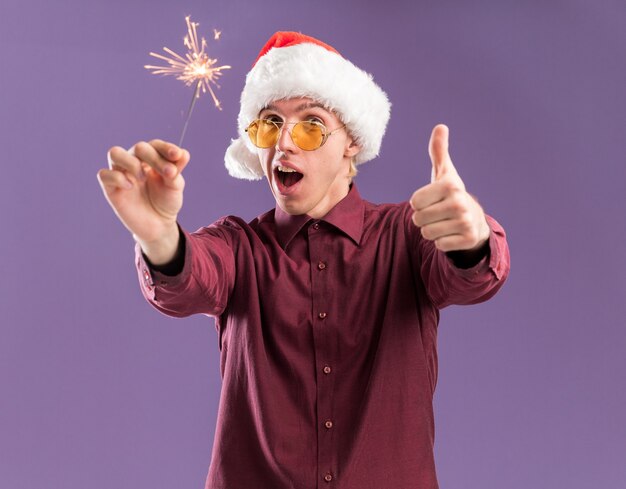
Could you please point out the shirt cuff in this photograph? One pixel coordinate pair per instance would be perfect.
(493, 257)
(150, 279)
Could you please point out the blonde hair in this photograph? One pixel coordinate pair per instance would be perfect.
(353, 169)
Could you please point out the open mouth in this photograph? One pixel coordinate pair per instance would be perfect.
(287, 176)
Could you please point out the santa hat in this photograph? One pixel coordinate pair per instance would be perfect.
(294, 65)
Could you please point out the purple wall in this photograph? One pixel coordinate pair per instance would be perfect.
(99, 390)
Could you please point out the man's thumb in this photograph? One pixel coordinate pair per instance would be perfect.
(438, 151)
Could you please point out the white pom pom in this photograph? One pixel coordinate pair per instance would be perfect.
(241, 163)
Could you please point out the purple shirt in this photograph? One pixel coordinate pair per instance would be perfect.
(327, 331)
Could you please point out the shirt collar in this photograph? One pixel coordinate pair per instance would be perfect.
(347, 216)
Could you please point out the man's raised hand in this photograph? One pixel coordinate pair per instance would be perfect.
(443, 210)
(144, 186)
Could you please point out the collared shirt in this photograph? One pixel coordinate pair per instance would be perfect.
(327, 331)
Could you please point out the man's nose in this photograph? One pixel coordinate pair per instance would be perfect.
(285, 143)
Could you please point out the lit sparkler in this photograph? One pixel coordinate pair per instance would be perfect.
(195, 67)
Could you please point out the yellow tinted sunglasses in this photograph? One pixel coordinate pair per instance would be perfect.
(307, 135)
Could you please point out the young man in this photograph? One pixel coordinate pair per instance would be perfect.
(326, 306)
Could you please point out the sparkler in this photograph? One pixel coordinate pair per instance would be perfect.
(195, 67)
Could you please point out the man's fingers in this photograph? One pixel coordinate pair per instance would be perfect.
(169, 151)
(148, 154)
(439, 229)
(439, 211)
(453, 242)
(111, 180)
(447, 227)
(425, 196)
(447, 235)
(432, 193)
(166, 159)
(183, 160)
(120, 159)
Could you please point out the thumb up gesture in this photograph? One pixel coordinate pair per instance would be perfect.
(443, 210)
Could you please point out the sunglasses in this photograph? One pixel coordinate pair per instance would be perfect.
(306, 135)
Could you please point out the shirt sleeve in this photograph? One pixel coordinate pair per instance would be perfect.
(205, 282)
(447, 284)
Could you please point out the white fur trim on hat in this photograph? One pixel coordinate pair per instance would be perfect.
(309, 70)
(241, 162)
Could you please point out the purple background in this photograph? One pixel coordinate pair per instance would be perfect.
(99, 390)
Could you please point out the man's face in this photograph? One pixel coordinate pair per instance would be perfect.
(321, 177)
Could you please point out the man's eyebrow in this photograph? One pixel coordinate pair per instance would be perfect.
(309, 105)
(299, 108)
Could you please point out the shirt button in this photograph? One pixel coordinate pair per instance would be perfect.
(322, 315)
(328, 477)
(327, 369)
(316, 226)
(328, 424)
(321, 265)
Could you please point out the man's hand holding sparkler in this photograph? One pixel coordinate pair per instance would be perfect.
(144, 186)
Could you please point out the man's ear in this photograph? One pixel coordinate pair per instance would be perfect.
(352, 149)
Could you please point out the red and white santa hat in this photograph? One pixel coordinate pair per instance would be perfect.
(294, 65)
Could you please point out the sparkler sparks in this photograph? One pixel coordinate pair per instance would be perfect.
(194, 67)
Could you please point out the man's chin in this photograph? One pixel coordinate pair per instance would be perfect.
(290, 207)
